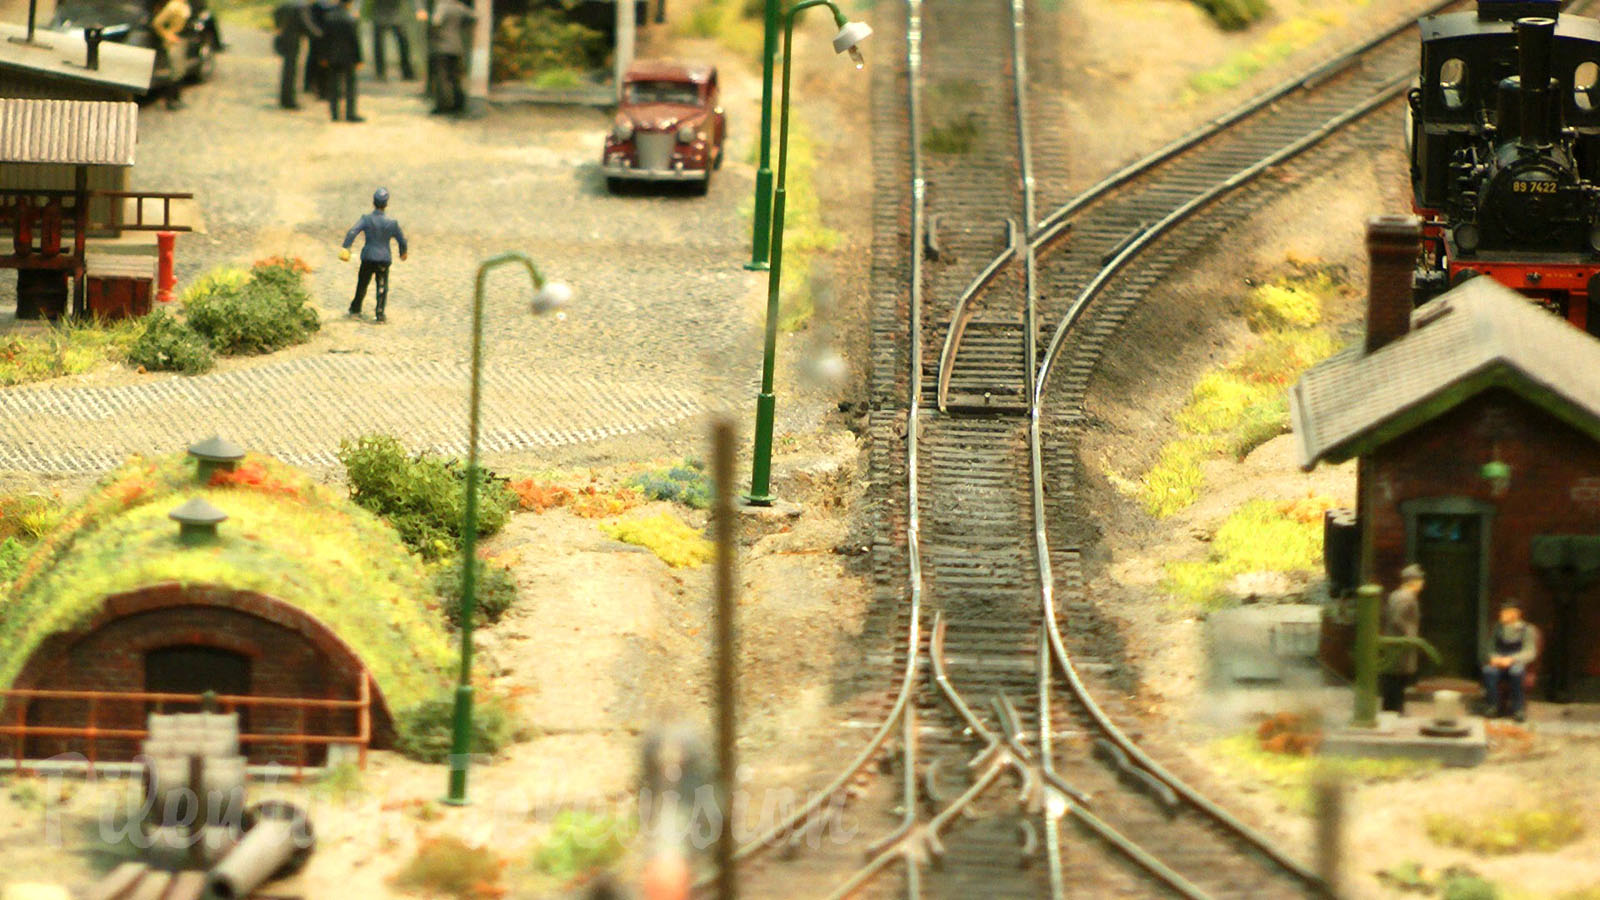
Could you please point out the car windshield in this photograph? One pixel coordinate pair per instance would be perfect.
(663, 92)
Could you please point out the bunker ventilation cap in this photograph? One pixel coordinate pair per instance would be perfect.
(380, 198)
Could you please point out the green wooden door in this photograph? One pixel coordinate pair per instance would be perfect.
(1449, 549)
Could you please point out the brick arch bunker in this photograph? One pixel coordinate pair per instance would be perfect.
(288, 653)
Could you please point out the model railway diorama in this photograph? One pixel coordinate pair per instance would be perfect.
(1152, 469)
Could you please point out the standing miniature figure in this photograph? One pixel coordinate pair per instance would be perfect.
(168, 24)
(317, 15)
(1516, 646)
(386, 18)
(341, 56)
(1402, 617)
(449, 45)
(378, 228)
(291, 21)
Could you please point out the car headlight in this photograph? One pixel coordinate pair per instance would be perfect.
(622, 131)
(686, 134)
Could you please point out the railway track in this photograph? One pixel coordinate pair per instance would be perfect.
(1009, 772)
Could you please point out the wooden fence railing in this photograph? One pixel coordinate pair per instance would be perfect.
(92, 733)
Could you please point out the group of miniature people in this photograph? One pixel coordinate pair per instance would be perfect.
(334, 50)
(1514, 647)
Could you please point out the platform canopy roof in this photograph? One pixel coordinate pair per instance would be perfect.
(64, 55)
(1478, 336)
(68, 132)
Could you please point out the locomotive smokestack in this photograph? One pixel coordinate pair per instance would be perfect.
(1392, 243)
(1535, 37)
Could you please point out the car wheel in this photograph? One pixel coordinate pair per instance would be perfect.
(701, 188)
(613, 185)
(718, 163)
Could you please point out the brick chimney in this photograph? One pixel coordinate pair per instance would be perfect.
(1392, 244)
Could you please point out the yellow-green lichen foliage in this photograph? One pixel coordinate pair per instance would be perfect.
(286, 536)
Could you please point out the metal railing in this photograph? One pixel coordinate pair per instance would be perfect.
(91, 732)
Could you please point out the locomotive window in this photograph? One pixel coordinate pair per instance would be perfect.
(1453, 83)
(1584, 79)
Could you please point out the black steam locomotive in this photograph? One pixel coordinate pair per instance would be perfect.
(1503, 130)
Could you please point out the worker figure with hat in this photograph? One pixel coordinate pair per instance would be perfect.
(1402, 617)
(375, 259)
(1515, 647)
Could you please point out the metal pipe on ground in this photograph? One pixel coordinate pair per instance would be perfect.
(277, 843)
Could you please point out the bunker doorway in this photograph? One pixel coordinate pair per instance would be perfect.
(195, 669)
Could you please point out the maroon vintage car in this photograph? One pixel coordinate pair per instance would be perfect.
(669, 126)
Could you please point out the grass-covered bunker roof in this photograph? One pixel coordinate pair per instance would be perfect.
(286, 537)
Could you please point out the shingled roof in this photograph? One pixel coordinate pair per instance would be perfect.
(1477, 336)
(81, 132)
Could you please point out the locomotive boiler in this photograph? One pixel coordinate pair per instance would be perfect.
(1503, 133)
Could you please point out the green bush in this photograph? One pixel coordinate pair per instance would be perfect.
(268, 311)
(1234, 15)
(580, 842)
(424, 731)
(169, 345)
(685, 483)
(495, 593)
(422, 496)
(544, 40)
(558, 79)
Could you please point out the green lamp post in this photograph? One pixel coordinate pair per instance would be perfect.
(761, 226)
(546, 298)
(850, 35)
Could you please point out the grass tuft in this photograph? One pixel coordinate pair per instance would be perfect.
(581, 842)
(665, 535)
(1538, 829)
(448, 865)
(952, 138)
(1291, 776)
(65, 348)
(1235, 409)
(1260, 536)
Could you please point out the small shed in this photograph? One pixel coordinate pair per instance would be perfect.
(1475, 420)
(52, 155)
(303, 611)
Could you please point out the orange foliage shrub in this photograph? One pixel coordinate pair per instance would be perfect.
(1290, 733)
(253, 475)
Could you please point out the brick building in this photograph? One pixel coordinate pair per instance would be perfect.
(1475, 419)
(305, 607)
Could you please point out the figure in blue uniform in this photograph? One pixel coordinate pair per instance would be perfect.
(378, 228)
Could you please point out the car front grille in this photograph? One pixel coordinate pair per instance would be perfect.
(655, 150)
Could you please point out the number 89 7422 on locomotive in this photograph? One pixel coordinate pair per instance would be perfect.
(1503, 131)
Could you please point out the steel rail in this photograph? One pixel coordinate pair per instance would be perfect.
(1238, 179)
(963, 311)
(1102, 278)
(1341, 62)
(1057, 645)
(900, 712)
